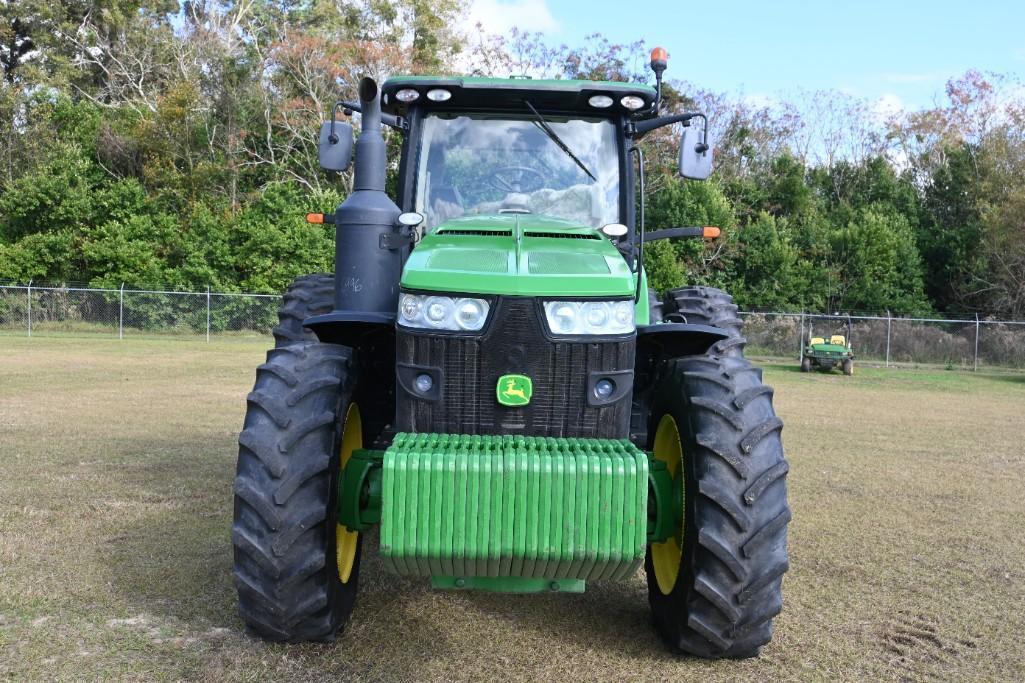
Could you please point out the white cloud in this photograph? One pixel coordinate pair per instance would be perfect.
(760, 101)
(886, 107)
(499, 16)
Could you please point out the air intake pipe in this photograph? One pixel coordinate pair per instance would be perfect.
(369, 248)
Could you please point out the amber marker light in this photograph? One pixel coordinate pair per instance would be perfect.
(659, 56)
(318, 218)
(710, 232)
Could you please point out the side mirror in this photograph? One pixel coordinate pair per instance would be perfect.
(335, 150)
(695, 154)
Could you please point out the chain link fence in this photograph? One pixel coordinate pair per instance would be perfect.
(39, 311)
(890, 341)
(32, 310)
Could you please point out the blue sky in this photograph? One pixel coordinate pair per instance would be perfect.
(901, 51)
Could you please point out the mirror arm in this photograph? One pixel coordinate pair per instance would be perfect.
(703, 147)
(639, 128)
(333, 137)
(396, 122)
(673, 233)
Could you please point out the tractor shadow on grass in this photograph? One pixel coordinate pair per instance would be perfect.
(607, 617)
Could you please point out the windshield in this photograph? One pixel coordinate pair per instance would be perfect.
(473, 164)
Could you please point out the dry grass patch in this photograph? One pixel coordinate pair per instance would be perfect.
(115, 558)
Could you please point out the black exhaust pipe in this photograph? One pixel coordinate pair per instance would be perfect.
(369, 249)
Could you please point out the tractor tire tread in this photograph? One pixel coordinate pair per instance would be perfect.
(730, 583)
(282, 569)
(706, 306)
(308, 295)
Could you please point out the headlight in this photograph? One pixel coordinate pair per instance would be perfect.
(442, 312)
(632, 102)
(590, 317)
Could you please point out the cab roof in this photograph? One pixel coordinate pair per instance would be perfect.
(473, 92)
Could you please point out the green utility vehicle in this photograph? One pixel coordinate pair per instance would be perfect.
(487, 384)
(825, 353)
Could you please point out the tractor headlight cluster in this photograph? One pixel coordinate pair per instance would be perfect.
(590, 317)
(435, 312)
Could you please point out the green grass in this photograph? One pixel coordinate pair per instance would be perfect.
(115, 510)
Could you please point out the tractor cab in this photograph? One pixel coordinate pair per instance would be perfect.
(488, 147)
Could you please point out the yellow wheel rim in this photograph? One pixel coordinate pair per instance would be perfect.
(345, 540)
(666, 557)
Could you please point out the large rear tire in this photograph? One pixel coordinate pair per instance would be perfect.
(655, 307)
(715, 587)
(705, 306)
(306, 296)
(296, 570)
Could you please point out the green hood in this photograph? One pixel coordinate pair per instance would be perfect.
(520, 255)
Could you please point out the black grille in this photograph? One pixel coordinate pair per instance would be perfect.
(485, 233)
(561, 235)
(514, 343)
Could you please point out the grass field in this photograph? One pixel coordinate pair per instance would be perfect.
(907, 542)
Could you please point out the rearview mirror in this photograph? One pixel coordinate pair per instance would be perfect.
(335, 149)
(695, 154)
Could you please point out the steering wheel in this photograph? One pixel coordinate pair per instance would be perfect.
(511, 179)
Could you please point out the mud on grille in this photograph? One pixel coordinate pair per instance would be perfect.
(513, 343)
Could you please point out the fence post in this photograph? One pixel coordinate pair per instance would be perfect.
(800, 342)
(208, 313)
(888, 320)
(29, 296)
(975, 366)
(121, 313)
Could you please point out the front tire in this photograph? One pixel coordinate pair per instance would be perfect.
(296, 571)
(848, 367)
(716, 592)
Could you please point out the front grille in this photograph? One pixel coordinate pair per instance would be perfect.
(561, 235)
(514, 343)
(478, 233)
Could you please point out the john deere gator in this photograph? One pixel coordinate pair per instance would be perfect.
(487, 385)
(823, 353)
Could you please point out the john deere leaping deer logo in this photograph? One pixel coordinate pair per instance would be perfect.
(514, 390)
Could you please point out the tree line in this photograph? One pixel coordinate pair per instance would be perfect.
(165, 144)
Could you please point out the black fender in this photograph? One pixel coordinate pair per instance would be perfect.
(351, 328)
(662, 341)
(372, 336)
(669, 340)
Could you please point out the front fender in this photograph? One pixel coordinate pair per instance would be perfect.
(670, 340)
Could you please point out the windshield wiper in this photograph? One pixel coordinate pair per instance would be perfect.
(543, 125)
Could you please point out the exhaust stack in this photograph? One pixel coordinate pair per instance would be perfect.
(368, 247)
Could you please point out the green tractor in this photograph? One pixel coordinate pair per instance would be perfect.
(487, 386)
(825, 353)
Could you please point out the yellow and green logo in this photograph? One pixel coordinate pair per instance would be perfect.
(514, 390)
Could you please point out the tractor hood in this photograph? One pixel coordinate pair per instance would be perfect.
(518, 255)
